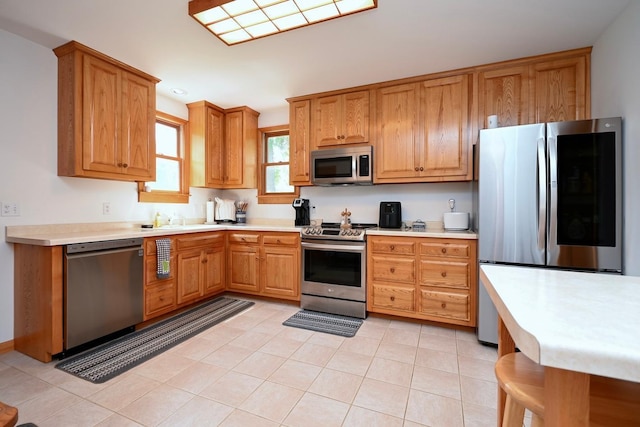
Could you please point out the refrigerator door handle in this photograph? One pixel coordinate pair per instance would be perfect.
(542, 194)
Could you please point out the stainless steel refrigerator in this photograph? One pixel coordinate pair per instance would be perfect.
(548, 195)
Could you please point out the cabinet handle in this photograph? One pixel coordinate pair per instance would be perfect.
(421, 168)
(204, 261)
(417, 169)
(443, 274)
(278, 241)
(392, 298)
(444, 250)
(125, 165)
(443, 305)
(393, 247)
(392, 269)
(119, 165)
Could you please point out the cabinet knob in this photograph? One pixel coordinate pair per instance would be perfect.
(392, 298)
(119, 165)
(444, 250)
(204, 261)
(392, 269)
(393, 247)
(443, 305)
(417, 169)
(443, 274)
(421, 168)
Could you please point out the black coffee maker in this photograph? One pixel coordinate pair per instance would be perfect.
(302, 211)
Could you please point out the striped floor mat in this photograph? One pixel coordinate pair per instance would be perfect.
(115, 357)
(323, 322)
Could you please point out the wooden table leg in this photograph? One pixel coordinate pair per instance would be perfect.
(505, 345)
(566, 397)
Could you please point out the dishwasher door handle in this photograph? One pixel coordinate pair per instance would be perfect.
(105, 252)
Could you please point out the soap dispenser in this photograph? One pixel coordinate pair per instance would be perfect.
(157, 220)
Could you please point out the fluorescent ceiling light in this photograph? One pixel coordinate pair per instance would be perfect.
(237, 21)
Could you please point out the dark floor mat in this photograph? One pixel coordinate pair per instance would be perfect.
(323, 322)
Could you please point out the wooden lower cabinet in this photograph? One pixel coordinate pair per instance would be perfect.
(159, 294)
(200, 259)
(423, 278)
(264, 263)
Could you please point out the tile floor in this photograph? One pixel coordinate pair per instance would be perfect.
(252, 371)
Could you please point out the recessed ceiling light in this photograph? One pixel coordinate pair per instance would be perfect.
(178, 91)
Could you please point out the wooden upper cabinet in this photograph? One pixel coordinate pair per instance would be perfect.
(504, 92)
(561, 90)
(106, 117)
(224, 146)
(299, 142)
(341, 119)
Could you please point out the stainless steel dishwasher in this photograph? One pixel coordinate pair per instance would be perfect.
(103, 289)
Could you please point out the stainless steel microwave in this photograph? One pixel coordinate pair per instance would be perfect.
(342, 166)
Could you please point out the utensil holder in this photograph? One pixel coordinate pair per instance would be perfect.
(241, 217)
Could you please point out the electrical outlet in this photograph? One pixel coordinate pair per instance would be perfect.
(10, 209)
(106, 208)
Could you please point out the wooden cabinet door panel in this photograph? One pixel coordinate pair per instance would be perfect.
(444, 273)
(280, 272)
(138, 127)
(299, 140)
(445, 249)
(355, 124)
(101, 107)
(327, 121)
(449, 305)
(159, 298)
(444, 122)
(234, 148)
(560, 90)
(394, 297)
(189, 276)
(243, 265)
(505, 93)
(393, 269)
(395, 145)
(214, 270)
(214, 137)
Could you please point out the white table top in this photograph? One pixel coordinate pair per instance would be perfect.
(583, 322)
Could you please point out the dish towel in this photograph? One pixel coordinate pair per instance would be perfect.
(164, 256)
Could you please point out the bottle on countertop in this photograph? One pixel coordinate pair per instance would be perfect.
(157, 221)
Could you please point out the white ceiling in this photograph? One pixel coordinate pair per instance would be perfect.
(401, 38)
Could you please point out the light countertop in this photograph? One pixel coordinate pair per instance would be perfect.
(433, 233)
(584, 322)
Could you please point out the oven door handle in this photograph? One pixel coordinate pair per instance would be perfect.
(330, 247)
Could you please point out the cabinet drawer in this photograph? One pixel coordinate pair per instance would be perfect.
(394, 297)
(150, 247)
(159, 298)
(201, 239)
(291, 239)
(244, 237)
(443, 273)
(151, 269)
(444, 304)
(458, 250)
(399, 247)
(393, 269)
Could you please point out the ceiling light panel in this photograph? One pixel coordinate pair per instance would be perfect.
(237, 21)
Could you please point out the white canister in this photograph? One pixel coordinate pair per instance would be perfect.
(492, 121)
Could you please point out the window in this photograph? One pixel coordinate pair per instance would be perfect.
(274, 176)
(171, 184)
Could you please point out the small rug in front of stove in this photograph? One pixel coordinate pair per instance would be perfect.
(115, 357)
(324, 322)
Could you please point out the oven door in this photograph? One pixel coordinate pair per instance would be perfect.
(334, 269)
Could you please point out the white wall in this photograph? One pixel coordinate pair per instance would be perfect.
(28, 171)
(615, 90)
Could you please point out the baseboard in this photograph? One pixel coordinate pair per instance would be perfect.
(6, 347)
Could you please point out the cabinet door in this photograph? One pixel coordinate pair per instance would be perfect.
(189, 275)
(234, 133)
(242, 268)
(444, 122)
(560, 90)
(299, 143)
(327, 121)
(280, 272)
(214, 266)
(214, 142)
(355, 117)
(342, 119)
(137, 139)
(395, 145)
(505, 93)
(101, 106)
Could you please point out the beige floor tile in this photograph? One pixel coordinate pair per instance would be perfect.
(155, 406)
(163, 366)
(198, 412)
(437, 330)
(260, 365)
(361, 417)
(405, 325)
(477, 351)
(362, 345)
(272, 401)
(227, 356)
(82, 413)
(242, 322)
(390, 371)
(26, 364)
(437, 360)
(398, 352)
(317, 411)
(466, 336)
(251, 340)
(477, 368)
(336, 385)
(196, 348)
(437, 382)
(433, 410)
(400, 336)
(197, 377)
(382, 397)
(314, 354)
(232, 389)
(372, 330)
(271, 326)
(221, 333)
(296, 374)
(437, 342)
(44, 404)
(479, 416)
(295, 333)
(121, 393)
(327, 340)
(20, 387)
(240, 418)
(479, 392)
(347, 361)
(279, 346)
(71, 383)
(117, 420)
(408, 423)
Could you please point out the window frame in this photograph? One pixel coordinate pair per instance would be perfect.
(263, 196)
(161, 196)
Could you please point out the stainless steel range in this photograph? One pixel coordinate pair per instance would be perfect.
(334, 269)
